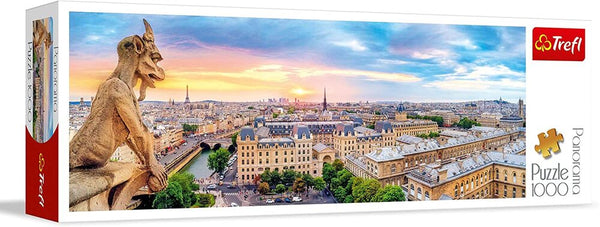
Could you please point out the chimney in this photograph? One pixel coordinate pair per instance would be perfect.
(422, 167)
(442, 175)
(460, 164)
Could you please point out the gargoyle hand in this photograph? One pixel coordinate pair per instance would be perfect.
(158, 180)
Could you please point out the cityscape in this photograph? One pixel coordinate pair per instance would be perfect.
(312, 111)
(433, 151)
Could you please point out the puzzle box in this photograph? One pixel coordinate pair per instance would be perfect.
(192, 111)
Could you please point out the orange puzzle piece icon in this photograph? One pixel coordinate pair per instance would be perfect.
(549, 143)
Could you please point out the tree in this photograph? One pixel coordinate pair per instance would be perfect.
(349, 199)
(288, 177)
(344, 176)
(365, 191)
(310, 181)
(340, 194)
(171, 197)
(275, 115)
(256, 180)
(275, 178)
(189, 128)
(264, 188)
(389, 193)
(217, 161)
(319, 184)
(338, 165)
(178, 194)
(280, 188)
(265, 176)
(371, 126)
(335, 182)
(466, 123)
(205, 200)
(328, 172)
(234, 138)
(291, 110)
(299, 185)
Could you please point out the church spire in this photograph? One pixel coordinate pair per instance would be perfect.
(324, 99)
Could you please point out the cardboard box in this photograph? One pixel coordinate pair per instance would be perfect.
(239, 111)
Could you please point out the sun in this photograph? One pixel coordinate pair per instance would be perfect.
(299, 91)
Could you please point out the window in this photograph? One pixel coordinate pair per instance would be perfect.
(462, 188)
(505, 176)
(523, 193)
(497, 174)
(504, 191)
(419, 194)
(412, 190)
(393, 168)
(523, 178)
(456, 190)
(276, 161)
(427, 196)
(514, 192)
(514, 177)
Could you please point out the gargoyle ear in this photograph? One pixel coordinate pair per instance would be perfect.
(138, 44)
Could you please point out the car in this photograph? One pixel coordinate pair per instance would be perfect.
(221, 177)
(211, 187)
(287, 200)
(230, 186)
(278, 200)
(234, 205)
(296, 199)
(269, 201)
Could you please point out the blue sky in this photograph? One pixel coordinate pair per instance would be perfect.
(257, 58)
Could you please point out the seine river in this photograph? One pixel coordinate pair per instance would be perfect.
(199, 165)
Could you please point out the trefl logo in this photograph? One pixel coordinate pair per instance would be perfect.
(559, 44)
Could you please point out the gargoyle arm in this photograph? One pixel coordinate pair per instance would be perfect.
(139, 138)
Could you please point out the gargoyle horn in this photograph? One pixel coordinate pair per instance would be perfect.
(149, 35)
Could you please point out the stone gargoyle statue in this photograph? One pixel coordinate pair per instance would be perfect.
(41, 35)
(115, 116)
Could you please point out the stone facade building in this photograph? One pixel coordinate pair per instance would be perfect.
(484, 175)
(259, 151)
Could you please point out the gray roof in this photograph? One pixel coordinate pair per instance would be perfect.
(345, 129)
(279, 141)
(457, 169)
(383, 126)
(262, 132)
(301, 130)
(408, 139)
(319, 147)
(246, 132)
(432, 144)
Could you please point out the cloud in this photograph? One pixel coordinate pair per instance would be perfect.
(486, 77)
(431, 53)
(466, 43)
(392, 62)
(355, 45)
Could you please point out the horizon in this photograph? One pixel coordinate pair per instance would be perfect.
(249, 59)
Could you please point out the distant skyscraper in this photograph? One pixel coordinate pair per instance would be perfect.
(187, 95)
(324, 99)
(81, 101)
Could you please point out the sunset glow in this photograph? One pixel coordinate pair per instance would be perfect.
(226, 59)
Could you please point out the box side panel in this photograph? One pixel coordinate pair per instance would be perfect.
(41, 158)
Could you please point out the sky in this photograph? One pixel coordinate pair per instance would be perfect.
(251, 59)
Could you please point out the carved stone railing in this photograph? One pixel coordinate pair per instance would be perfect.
(108, 188)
